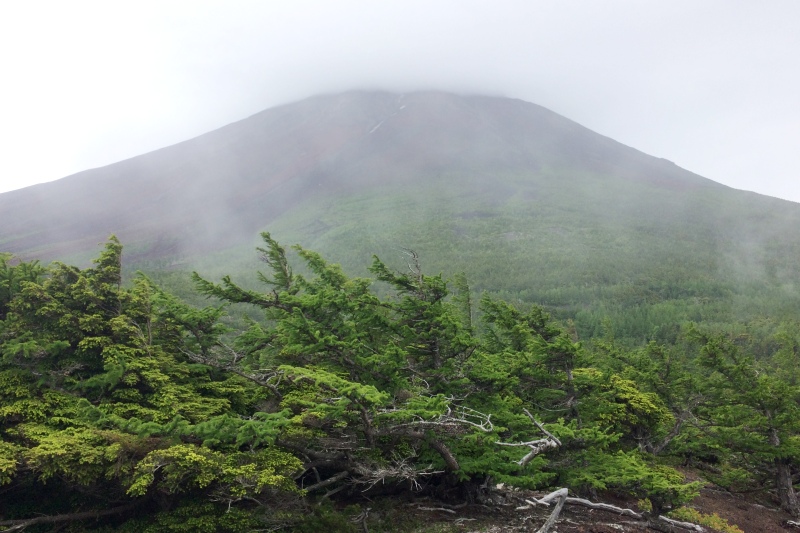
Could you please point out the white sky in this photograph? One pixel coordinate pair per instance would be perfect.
(712, 85)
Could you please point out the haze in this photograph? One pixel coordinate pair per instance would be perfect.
(709, 85)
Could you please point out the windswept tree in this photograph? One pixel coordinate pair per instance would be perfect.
(402, 389)
(753, 411)
(99, 401)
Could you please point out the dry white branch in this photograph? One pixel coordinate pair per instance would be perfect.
(534, 452)
(532, 504)
(541, 427)
(449, 421)
(614, 509)
(537, 502)
(399, 470)
(561, 495)
(536, 446)
(561, 498)
(684, 525)
(437, 509)
(605, 507)
(471, 417)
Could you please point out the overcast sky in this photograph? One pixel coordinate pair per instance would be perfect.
(712, 85)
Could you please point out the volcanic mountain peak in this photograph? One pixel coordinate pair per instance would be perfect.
(220, 188)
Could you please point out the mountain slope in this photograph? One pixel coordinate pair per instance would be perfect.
(522, 199)
(240, 177)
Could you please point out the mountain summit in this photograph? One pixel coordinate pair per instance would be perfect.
(224, 186)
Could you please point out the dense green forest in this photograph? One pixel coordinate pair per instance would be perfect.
(610, 256)
(124, 408)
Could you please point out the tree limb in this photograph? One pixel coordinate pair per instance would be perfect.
(660, 523)
(536, 446)
(561, 494)
(330, 481)
(606, 507)
(449, 459)
(19, 525)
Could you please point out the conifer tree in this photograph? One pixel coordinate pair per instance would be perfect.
(380, 389)
(755, 410)
(98, 398)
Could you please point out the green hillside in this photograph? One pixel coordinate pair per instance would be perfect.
(529, 204)
(588, 249)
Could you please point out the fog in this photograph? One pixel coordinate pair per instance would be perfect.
(711, 86)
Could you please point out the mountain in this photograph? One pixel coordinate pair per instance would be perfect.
(522, 199)
(356, 389)
(237, 179)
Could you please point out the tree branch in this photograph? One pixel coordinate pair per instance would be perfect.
(660, 523)
(19, 525)
(561, 495)
(330, 481)
(536, 446)
(449, 459)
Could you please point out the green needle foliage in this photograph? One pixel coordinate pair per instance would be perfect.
(401, 389)
(96, 393)
(147, 410)
(755, 408)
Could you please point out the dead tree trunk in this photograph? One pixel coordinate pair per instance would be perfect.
(786, 492)
(783, 480)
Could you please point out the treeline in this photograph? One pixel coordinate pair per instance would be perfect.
(122, 408)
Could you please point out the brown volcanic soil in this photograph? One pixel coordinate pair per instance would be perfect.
(750, 515)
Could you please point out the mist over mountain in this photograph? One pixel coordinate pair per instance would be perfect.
(512, 193)
(237, 179)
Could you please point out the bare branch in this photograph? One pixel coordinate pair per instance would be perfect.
(466, 415)
(541, 427)
(19, 525)
(685, 415)
(400, 470)
(330, 481)
(437, 509)
(413, 265)
(536, 446)
(448, 422)
(561, 495)
(682, 525)
(605, 507)
(534, 452)
(449, 459)
(362, 519)
(660, 522)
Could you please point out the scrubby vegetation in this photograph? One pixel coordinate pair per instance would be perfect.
(123, 408)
